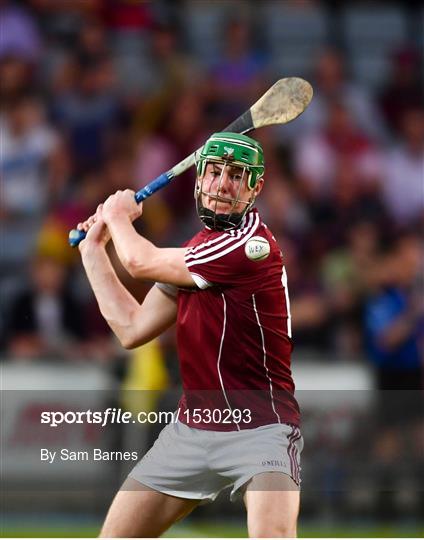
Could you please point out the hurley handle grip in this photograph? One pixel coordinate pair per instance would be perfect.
(76, 236)
(153, 186)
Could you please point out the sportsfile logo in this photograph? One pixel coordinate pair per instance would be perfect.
(111, 415)
(114, 415)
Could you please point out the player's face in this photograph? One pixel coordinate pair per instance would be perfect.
(225, 188)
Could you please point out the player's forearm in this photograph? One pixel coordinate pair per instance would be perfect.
(116, 304)
(142, 259)
(133, 250)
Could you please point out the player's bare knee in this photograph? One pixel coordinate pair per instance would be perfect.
(117, 532)
(107, 532)
(270, 530)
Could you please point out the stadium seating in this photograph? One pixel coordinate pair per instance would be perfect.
(371, 33)
(287, 24)
(204, 23)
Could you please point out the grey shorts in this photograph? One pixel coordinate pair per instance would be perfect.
(198, 464)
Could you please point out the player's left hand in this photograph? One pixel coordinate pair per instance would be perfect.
(122, 203)
(96, 229)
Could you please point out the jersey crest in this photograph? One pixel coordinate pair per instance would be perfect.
(257, 248)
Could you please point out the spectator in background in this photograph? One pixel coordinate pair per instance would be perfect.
(182, 133)
(34, 171)
(69, 29)
(92, 46)
(344, 272)
(32, 158)
(331, 84)
(403, 181)
(117, 171)
(404, 89)
(89, 113)
(19, 35)
(351, 198)
(45, 320)
(281, 204)
(168, 73)
(393, 313)
(16, 77)
(81, 200)
(393, 320)
(282, 207)
(238, 77)
(318, 154)
(91, 49)
(62, 20)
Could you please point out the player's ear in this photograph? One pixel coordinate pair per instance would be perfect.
(259, 186)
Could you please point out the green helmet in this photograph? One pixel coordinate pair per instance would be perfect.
(236, 149)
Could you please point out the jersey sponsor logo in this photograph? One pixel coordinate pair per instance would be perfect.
(257, 248)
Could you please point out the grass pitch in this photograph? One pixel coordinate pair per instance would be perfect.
(193, 529)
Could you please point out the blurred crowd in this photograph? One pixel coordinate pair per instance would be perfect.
(97, 96)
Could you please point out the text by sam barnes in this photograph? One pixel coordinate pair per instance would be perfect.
(95, 454)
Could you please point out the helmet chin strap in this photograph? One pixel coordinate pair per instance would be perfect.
(220, 222)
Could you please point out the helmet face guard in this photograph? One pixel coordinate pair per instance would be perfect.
(238, 155)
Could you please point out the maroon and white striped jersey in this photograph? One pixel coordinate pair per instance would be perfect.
(234, 331)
